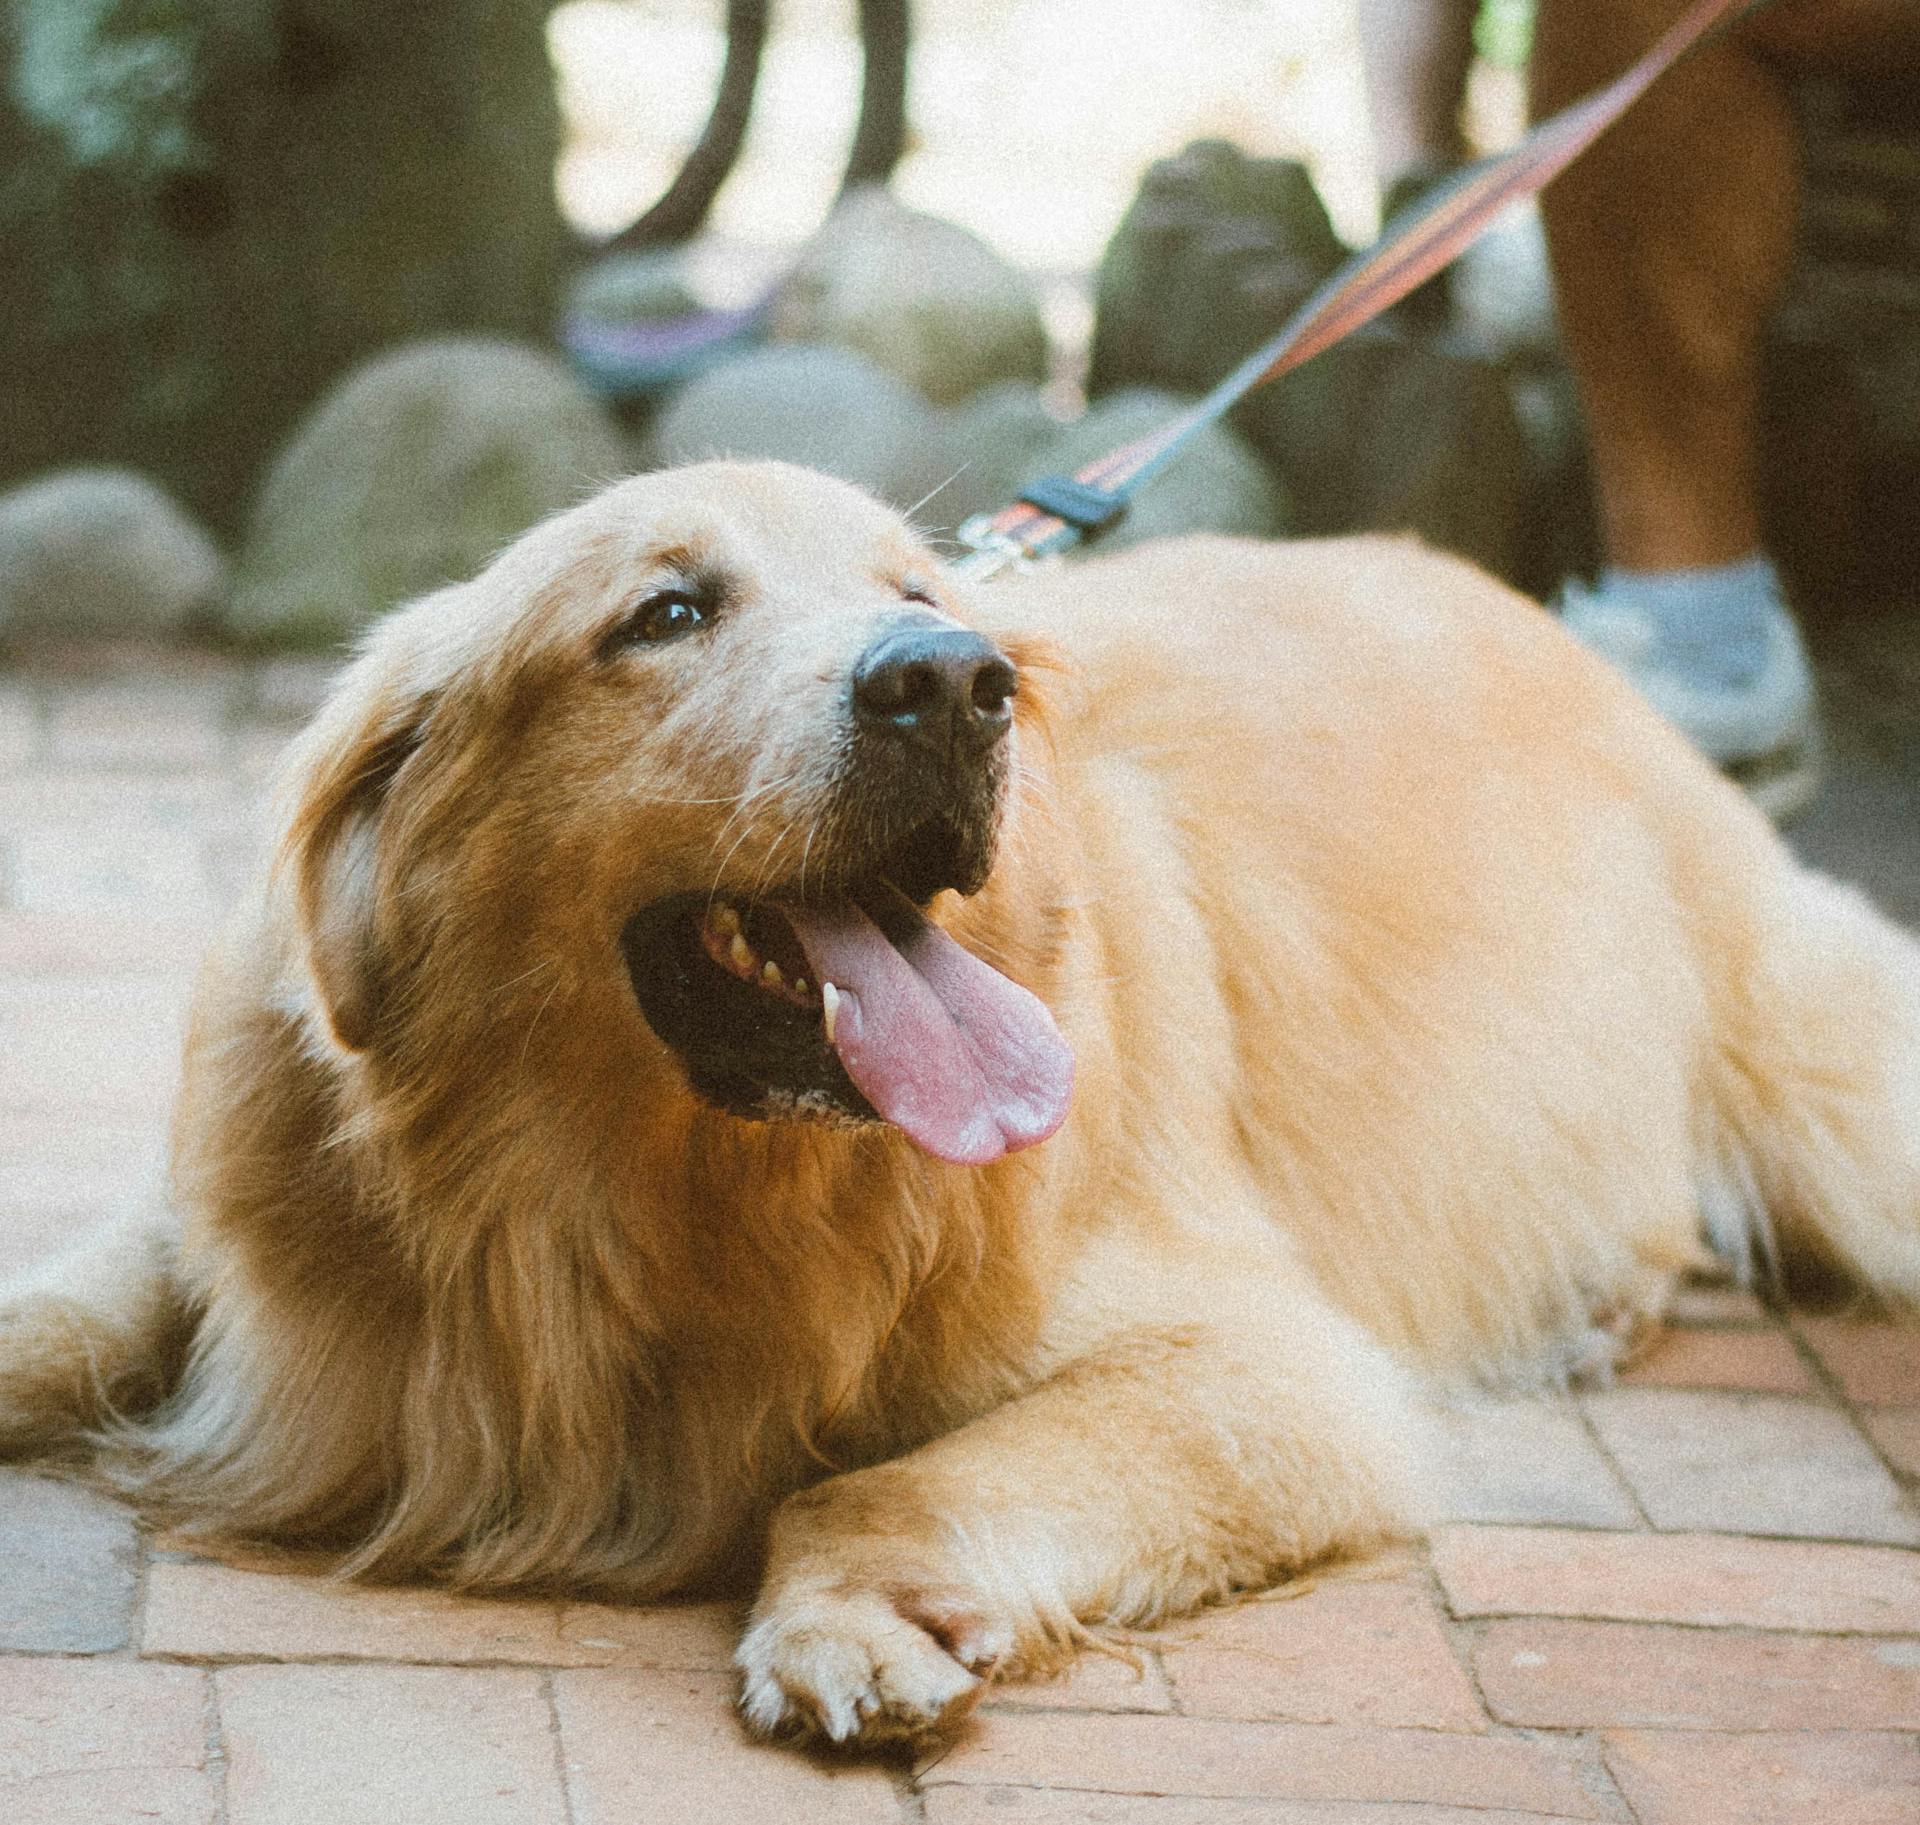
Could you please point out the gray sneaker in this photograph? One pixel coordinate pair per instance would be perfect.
(1761, 728)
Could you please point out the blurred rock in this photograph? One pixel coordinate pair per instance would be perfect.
(923, 298)
(1000, 440)
(413, 472)
(1212, 256)
(104, 551)
(211, 211)
(826, 408)
(1385, 434)
(1216, 484)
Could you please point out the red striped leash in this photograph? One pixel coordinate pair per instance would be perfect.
(1057, 511)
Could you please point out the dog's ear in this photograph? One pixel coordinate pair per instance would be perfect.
(343, 780)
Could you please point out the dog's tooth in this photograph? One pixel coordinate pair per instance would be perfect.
(770, 974)
(725, 920)
(829, 1008)
(800, 985)
(740, 954)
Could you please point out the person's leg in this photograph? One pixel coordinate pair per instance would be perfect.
(1670, 241)
(1416, 58)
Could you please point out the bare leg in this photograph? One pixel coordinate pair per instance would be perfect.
(1671, 239)
(1416, 56)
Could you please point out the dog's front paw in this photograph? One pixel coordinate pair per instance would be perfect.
(866, 1664)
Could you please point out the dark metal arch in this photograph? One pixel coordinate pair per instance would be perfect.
(886, 29)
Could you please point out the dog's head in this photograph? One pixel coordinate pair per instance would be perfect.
(700, 767)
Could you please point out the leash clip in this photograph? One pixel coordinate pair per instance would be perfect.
(989, 552)
(1078, 504)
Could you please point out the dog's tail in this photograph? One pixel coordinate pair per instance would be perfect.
(1815, 1104)
(97, 1332)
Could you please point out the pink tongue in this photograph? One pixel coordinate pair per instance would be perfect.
(967, 1063)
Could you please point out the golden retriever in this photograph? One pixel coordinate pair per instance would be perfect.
(979, 1106)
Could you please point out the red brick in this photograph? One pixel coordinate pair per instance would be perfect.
(1764, 1361)
(89, 1742)
(1349, 1651)
(1712, 1303)
(1042, 1806)
(203, 1611)
(1711, 1580)
(1896, 1430)
(1578, 1675)
(1095, 1682)
(1525, 1460)
(423, 1745)
(1875, 1361)
(1224, 1758)
(1797, 1778)
(69, 1560)
(668, 1746)
(1750, 1463)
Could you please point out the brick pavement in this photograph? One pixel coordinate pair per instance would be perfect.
(1690, 1598)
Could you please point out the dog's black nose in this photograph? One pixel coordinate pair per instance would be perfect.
(940, 686)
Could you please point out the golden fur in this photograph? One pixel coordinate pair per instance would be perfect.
(1425, 992)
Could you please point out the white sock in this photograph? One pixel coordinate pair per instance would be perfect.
(1713, 622)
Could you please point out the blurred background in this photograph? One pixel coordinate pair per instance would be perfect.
(312, 304)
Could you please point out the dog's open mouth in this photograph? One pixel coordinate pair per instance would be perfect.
(859, 1008)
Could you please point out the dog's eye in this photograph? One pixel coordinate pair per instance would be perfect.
(664, 615)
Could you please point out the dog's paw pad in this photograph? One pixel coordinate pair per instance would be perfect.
(857, 1666)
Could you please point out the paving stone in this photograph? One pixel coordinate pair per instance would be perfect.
(1706, 1302)
(41, 798)
(67, 1565)
(1750, 1463)
(82, 1170)
(668, 1746)
(1095, 1682)
(289, 689)
(150, 725)
(424, 1745)
(1580, 1675)
(1764, 1361)
(94, 1742)
(1803, 1777)
(102, 871)
(1041, 1806)
(683, 1637)
(1349, 1651)
(107, 1048)
(257, 754)
(1713, 1580)
(1226, 1758)
(1896, 1430)
(1525, 1460)
(1875, 1361)
(205, 1611)
(20, 735)
(133, 942)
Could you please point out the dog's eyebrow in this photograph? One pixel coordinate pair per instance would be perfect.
(686, 557)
